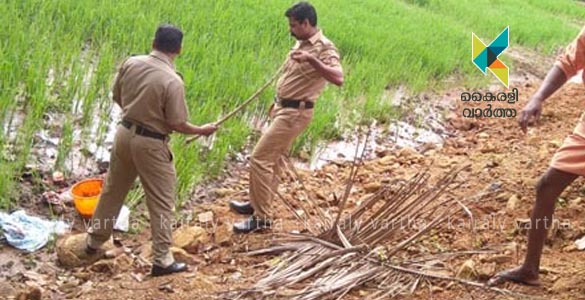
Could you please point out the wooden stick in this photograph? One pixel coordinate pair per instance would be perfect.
(243, 105)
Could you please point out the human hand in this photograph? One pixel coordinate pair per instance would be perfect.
(301, 56)
(208, 129)
(530, 113)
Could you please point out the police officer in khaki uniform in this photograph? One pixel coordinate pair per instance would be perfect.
(152, 97)
(312, 63)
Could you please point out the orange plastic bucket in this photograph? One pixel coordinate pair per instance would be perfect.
(86, 194)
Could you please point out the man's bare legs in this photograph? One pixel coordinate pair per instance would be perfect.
(548, 189)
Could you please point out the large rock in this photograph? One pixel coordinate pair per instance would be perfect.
(190, 238)
(71, 251)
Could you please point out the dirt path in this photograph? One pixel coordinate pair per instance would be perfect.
(505, 165)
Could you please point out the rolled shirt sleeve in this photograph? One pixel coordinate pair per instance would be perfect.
(573, 59)
(330, 57)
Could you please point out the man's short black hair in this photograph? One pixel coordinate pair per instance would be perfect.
(168, 38)
(302, 11)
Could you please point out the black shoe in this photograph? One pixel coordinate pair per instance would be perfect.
(252, 224)
(243, 208)
(173, 268)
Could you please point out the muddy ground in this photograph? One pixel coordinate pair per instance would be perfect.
(505, 165)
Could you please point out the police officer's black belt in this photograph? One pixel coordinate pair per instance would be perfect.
(143, 131)
(291, 103)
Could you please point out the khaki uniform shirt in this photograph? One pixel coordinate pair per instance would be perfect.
(300, 81)
(573, 59)
(150, 93)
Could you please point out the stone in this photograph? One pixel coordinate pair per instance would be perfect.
(511, 249)
(486, 271)
(463, 243)
(483, 136)
(71, 251)
(320, 195)
(304, 155)
(512, 204)
(499, 259)
(206, 219)
(387, 160)
(35, 277)
(580, 243)
(124, 263)
(6, 289)
(372, 187)
(463, 124)
(220, 256)
(223, 235)
(567, 283)
(533, 139)
(58, 177)
(488, 148)
(113, 253)
(555, 143)
(183, 256)
(575, 202)
(220, 210)
(467, 270)
(503, 197)
(190, 238)
(145, 251)
(236, 276)
(104, 266)
(408, 153)
(222, 192)
(382, 152)
(33, 293)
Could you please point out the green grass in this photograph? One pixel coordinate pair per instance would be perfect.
(232, 47)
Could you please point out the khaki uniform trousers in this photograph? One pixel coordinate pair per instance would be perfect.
(267, 162)
(152, 161)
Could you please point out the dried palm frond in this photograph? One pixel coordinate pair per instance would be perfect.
(364, 248)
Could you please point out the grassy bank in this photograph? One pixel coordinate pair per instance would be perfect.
(60, 56)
